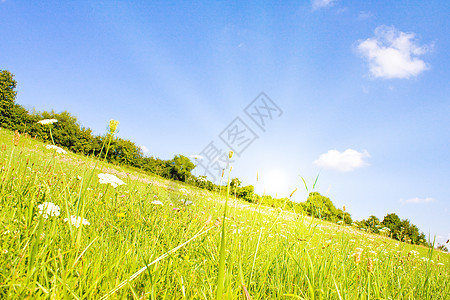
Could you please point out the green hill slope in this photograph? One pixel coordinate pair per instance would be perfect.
(65, 234)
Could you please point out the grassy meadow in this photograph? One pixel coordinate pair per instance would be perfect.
(98, 243)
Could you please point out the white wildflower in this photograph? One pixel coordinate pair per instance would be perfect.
(47, 209)
(77, 221)
(187, 202)
(157, 202)
(47, 121)
(110, 179)
(56, 148)
(183, 190)
(201, 179)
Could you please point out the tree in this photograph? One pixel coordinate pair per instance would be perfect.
(7, 98)
(320, 207)
(392, 221)
(344, 216)
(246, 193)
(181, 167)
(403, 230)
(372, 224)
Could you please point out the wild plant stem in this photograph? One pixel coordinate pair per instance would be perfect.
(221, 275)
(107, 148)
(51, 135)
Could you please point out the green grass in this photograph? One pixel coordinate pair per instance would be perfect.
(138, 250)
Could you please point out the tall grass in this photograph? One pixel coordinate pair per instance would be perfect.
(136, 249)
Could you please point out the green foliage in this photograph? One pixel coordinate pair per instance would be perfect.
(344, 216)
(12, 115)
(67, 132)
(392, 221)
(372, 224)
(246, 193)
(7, 98)
(294, 206)
(234, 185)
(181, 168)
(320, 207)
(403, 230)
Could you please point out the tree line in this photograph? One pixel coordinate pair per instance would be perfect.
(69, 134)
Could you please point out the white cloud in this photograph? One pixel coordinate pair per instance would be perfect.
(417, 200)
(346, 161)
(393, 54)
(318, 4)
(144, 149)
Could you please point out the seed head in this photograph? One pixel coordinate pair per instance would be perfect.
(358, 252)
(357, 257)
(292, 193)
(16, 138)
(230, 154)
(369, 265)
(113, 126)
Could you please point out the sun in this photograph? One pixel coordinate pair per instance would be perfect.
(274, 182)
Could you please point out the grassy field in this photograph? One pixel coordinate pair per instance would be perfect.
(176, 231)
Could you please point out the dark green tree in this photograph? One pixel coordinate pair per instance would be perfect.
(408, 232)
(7, 98)
(372, 224)
(181, 167)
(393, 222)
(246, 193)
(344, 216)
(320, 207)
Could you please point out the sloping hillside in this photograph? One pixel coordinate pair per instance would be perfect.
(67, 231)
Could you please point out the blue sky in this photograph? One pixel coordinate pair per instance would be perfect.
(363, 89)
